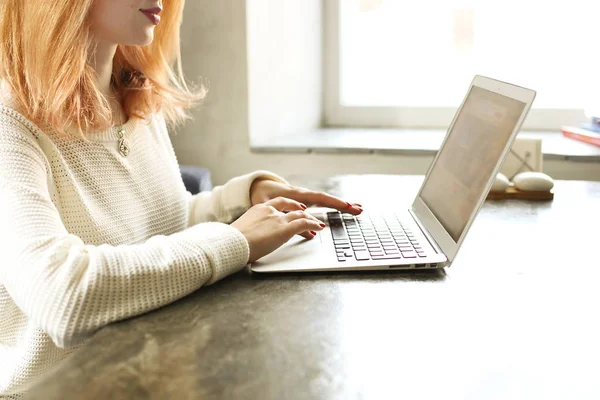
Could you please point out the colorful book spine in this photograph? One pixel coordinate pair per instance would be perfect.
(590, 127)
(583, 135)
(593, 125)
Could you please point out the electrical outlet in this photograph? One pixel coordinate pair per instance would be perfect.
(525, 155)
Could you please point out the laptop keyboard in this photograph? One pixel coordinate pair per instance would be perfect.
(369, 237)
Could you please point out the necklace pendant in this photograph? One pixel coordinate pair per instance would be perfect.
(123, 144)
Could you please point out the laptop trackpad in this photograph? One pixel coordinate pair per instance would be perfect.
(296, 252)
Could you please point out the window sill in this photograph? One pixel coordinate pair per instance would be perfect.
(413, 142)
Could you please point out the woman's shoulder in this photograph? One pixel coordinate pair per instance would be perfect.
(14, 124)
(12, 119)
(19, 137)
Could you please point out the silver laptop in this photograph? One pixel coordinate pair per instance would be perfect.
(429, 234)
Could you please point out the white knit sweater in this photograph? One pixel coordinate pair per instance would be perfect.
(89, 237)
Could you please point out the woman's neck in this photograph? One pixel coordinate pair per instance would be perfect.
(101, 60)
(116, 105)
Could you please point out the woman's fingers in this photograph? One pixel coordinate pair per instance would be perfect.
(322, 199)
(285, 204)
(308, 234)
(299, 219)
(294, 215)
(295, 210)
(304, 225)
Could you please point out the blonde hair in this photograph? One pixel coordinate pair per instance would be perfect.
(51, 80)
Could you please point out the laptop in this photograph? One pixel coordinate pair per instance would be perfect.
(430, 233)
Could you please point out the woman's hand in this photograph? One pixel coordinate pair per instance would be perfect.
(263, 190)
(269, 225)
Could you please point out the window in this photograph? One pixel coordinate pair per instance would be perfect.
(399, 63)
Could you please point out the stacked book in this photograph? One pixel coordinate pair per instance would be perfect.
(588, 132)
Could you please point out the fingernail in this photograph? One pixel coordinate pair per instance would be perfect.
(322, 225)
(349, 205)
(303, 206)
(358, 205)
(313, 233)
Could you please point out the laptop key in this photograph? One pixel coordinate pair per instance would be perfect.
(341, 243)
(338, 235)
(387, 257)
(362, 255)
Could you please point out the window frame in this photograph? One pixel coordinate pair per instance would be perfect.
(336, 114)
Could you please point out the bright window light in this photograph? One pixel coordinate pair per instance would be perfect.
(424, 53)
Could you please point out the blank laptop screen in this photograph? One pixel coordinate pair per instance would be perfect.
(467, 160)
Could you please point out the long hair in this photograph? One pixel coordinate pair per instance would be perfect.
(44, 49)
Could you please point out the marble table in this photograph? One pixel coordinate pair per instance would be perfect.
(515, 316)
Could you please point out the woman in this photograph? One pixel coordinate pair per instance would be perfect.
(95, 223)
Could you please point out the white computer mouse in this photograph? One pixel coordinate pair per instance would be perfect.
(533, 182)
(500, 183)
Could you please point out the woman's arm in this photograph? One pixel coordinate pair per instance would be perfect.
(227, 202)
(224, 203)
(71, 289)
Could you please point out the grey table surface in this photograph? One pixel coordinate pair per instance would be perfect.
(515, 317)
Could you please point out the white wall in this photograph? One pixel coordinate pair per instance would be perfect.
(284, 66)
(214, 46)
(282, 80)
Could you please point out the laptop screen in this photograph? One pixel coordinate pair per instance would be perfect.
(467, 160)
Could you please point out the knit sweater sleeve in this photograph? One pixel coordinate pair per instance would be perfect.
(71, 289)
(227, 202)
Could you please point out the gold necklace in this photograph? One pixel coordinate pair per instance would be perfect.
(123, 143)
(124, 147)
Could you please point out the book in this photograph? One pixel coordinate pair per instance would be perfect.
(583, 135)
(590, 127)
